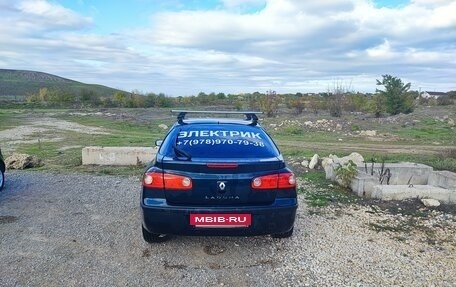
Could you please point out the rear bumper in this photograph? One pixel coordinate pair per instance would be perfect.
(160, 218)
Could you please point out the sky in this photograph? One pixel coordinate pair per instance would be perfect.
(182, 47)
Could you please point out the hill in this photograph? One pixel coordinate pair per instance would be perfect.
(17, 84)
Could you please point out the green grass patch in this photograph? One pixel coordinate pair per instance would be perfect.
(66, 152)
(7, 119)
(43, 150)
(428, 132)
(320, 192)
(446, 160)
(122, 132)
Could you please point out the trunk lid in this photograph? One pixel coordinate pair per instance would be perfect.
(221, 183)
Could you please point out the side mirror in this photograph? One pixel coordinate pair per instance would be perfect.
(158, 142)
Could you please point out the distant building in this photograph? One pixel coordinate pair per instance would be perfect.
(433, 95)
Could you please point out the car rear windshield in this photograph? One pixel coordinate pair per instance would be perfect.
(222, 141)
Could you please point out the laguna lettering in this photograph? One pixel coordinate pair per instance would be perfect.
(205, 133)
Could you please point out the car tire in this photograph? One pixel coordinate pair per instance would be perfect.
(283, 235)
(2, 180)
(153, 237)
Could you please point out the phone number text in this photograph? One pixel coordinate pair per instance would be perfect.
(220, 142)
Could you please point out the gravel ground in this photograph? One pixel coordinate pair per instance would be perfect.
(84, 230)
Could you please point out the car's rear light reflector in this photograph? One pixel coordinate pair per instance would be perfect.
(222, 165)
(287, 180)
(265, 182)
(274, 181)
(153, 180)
(167, 180)
(177, 182)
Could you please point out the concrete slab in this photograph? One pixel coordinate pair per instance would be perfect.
(97, 155)
(400, 192)
(363, 184)
(453, 196)
(444, 178)
(401, 173)
(406, 180)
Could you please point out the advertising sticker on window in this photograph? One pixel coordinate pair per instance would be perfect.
(212, 138)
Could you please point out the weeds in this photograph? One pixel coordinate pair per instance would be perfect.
(293, 130)
(320, 192)
(346, 173)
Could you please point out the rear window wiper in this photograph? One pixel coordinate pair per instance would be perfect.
(180, 154)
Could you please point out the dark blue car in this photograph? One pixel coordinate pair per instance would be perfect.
(217, 176)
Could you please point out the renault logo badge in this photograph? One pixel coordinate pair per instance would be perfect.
(221, 185)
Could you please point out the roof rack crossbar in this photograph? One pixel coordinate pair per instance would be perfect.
(250, 115)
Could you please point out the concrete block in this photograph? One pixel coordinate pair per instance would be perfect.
(453, 196)
(363, 184)
(402, 173)
(117, 155)
(400, 192)
(327, 164)
(445, 179)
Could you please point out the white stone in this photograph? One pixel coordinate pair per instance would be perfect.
(308, 123)
(163, 126)
(354, 156)
(329, 163)
(22, 161)
(429, 202)
(305, 163)
(368, 133)
(333, 157)
(314, 161)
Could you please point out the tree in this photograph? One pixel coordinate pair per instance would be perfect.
(397, 97)
(270, 103)
(376, 105)
(315, 103)
(120, 99)
(337, 99)
(297, 103)
(89, 98)
(255, 100)
(356, 102)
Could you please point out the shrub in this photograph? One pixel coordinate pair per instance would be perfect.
(292, 130)
(346, 173)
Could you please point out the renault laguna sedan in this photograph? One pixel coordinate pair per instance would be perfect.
(217, 176)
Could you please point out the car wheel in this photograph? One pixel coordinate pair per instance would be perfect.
(2, 180)
(283, 235)
(153, 237)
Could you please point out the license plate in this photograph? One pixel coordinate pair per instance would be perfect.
(221, 220)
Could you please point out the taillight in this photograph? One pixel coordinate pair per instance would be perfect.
(173, 181)
(274, 181)
(287, 180)
(153, 179)
(167, 180)
(265, 182)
